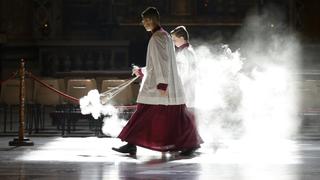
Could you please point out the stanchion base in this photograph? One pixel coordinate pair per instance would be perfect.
(24, 142)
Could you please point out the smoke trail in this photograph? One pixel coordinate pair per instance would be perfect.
(249, 93)
(270, 98)
(91, 104)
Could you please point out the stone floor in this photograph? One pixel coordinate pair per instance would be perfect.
(91, 158)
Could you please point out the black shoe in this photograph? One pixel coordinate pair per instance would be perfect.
(128, 148)
(188, 152)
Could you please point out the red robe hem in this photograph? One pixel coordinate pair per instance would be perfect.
(162, 128)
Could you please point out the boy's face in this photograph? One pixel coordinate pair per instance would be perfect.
(148, 24)
(178, 41)
(174, 39)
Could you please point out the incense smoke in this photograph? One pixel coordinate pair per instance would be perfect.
(91, 104)
(250, 93)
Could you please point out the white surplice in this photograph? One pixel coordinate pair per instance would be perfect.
(160, 68)
(186, 64)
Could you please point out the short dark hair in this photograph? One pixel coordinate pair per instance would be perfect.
(152, 13)
(181, 31)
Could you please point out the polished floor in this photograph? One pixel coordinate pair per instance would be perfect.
(91, 158)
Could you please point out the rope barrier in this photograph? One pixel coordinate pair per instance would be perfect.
(21, 140)
(105, 95)
(76, 100)
(13, 75)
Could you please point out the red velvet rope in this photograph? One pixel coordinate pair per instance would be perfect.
(66, 95)
(13, 75)
(76, 100)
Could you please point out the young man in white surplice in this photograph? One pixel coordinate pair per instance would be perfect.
(186, 63)
(161, 121)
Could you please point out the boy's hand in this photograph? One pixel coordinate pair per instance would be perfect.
(136, 71)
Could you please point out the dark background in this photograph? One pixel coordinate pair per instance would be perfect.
(56, 37)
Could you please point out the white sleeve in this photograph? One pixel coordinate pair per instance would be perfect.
(159, 57)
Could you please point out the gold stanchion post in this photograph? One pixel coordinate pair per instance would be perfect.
(21, 140)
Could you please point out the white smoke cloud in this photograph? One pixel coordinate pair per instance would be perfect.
(250, 93)
(218, 95)
(91, 104)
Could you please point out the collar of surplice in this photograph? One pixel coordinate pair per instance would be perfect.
(180, 48)
(157, 28)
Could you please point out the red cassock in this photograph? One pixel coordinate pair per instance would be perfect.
(161, 121)
(162, 128)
